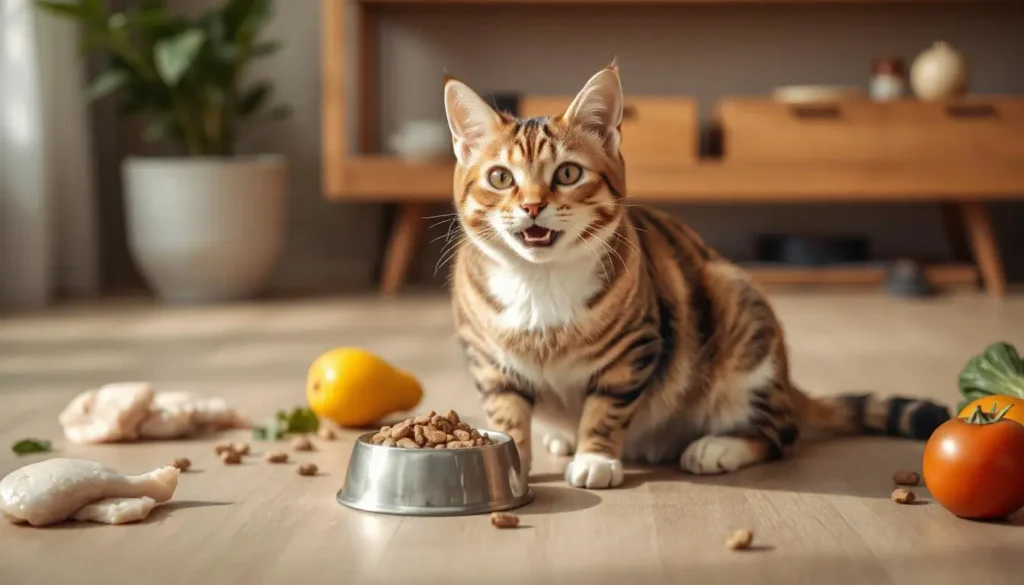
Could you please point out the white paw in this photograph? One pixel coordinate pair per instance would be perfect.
(709, 455)
(593, 471)
(558, 444)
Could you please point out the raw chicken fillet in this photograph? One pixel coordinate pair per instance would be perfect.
(57, 489)
(126, 411)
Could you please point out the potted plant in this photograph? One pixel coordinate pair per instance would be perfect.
(204, 223)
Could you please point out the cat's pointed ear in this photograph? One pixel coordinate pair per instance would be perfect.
(470, 118)
(598, 107)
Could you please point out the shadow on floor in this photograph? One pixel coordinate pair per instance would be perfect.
(859, 466)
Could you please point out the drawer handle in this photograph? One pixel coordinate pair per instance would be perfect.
(817, 112)
(629, 112)
(972, 111)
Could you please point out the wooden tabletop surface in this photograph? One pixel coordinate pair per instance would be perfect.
(822, 517)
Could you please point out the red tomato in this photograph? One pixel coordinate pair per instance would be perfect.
(975, 467)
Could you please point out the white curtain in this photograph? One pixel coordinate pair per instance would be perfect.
(48, 214)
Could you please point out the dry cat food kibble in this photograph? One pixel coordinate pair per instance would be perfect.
(906, 478)
(432, 431)
(302, 444)
(326, 433)
(182, 463)
(230, 457)
(903, 496)
(276, 457)
(221, 448)
(504, 520)
(307, 469)
(240, 448)
(740, 540)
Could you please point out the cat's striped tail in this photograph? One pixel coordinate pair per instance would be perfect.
(871, 414)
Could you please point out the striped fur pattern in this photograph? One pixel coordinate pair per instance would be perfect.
(616, 326)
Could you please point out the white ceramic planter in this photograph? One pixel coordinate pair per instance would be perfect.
(205, 229)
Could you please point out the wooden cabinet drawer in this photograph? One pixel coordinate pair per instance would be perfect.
(656, 131)
(979, 128)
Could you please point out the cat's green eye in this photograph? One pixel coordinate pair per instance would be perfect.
(568, 174)
(500, 178)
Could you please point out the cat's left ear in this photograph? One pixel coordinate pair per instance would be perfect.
(470, 118)
(598, 107)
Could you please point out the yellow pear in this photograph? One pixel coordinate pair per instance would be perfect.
(352, 387)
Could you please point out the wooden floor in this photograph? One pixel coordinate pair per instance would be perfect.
(822, 517)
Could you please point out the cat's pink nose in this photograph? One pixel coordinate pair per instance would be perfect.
(533, 209)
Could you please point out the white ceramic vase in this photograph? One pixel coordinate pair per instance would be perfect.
(205, 229)
(938, 73)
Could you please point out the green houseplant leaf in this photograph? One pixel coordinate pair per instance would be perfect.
(175, 55)
(185, 75)
(107, 83)
(998, 370)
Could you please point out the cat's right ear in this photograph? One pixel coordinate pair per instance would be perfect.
(470, 118)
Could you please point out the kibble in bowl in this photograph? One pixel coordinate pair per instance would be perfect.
(432, 431)
(435, 465)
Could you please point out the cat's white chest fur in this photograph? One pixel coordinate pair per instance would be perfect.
(539, 296)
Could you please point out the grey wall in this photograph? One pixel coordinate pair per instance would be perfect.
(706, 51)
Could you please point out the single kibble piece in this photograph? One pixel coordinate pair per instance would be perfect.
(377, 439)
(906, 478)
(435, 436)
(276, 457)
(302, 444)
(418, 436)
(408, 443)
(241, 448)
(231, 457)
(182, 463)
(903, 496)
(401, 431)
(452, 416)
(422, 420)
(740, 540)
(389, 442)
(307, 469)
(462, 435)
(464, 426)
(440, 446)
(325, 433)
(386, 431)
(220, 448)
(504, 520)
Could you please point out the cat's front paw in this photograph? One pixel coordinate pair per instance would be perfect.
(710, 455)
(558, 444)
(594, 471)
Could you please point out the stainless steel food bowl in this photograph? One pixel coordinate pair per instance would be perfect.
(435, 482)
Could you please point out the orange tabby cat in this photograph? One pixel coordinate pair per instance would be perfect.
(616, 326)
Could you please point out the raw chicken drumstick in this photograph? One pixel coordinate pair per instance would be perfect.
(54, 490)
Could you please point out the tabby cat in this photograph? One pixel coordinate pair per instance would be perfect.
(614, 325)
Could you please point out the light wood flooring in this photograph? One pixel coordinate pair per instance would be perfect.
(822, 517)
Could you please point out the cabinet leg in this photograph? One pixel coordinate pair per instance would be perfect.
(401, 251)
(984, 247)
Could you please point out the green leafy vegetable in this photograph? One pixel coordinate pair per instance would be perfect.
(299, 420)
(998, 370)
(26, 446)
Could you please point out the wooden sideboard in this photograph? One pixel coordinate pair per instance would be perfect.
(959, 155)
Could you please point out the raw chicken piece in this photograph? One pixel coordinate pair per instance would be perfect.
(56, 489)
(107, 415)
(126, 411)
(175, 414)
(116, 510)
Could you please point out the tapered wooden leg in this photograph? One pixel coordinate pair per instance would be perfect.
(405, 237)
(984, 247)
(953, 224)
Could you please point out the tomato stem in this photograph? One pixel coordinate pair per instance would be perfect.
(980, 417)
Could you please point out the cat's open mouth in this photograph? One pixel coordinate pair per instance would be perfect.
(536, 236)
